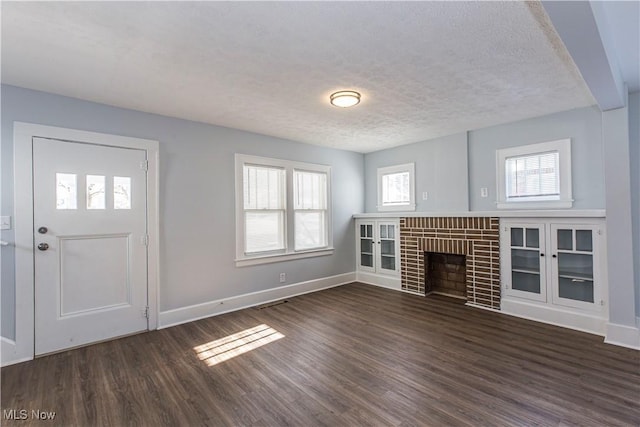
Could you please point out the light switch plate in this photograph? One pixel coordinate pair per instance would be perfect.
(425, 195)
(484, 192)
(5, 223)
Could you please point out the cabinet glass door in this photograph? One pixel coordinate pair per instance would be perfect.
(366, 244)
(527, 261)
(388, 234)
(573, 266)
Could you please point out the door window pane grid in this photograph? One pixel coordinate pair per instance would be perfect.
(95, 191)
(66, 191)
(121, 192)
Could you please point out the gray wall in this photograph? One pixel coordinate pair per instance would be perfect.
(634, 154)
(453, 169)
(441, 171)
(197, 219)
(583, 126)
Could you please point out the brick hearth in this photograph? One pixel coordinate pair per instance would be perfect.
(476, 238)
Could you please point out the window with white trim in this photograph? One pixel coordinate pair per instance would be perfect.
(535, 176)
(264, 208)
(310, 209)
(396, 188)
(283, 210)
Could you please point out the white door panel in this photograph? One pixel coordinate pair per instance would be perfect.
(91, 262)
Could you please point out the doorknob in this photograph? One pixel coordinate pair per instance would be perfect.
(43, 230)
(43, 246)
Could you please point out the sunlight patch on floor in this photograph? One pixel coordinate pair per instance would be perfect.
(226, 348)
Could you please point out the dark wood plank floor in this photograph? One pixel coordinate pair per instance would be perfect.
(352, 355)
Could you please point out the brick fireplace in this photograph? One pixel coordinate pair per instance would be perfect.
(476, 238)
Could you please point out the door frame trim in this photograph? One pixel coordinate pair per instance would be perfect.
(23, 347)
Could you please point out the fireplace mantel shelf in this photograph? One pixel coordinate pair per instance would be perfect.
(567, 213)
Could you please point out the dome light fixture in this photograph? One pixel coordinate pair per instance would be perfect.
(345, 98)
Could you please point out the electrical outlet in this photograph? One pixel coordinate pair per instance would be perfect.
(5, 223)
(484, 192)
(425, 195)
(283, 277)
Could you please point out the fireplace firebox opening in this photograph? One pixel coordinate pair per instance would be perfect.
(445, 274)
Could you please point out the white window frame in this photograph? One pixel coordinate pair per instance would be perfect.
(324, 210)
(565, 200)
(388, 170)
(289, 253)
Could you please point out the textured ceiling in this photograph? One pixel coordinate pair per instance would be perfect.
(425, 69)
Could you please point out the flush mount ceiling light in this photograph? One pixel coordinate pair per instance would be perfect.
(345, 98)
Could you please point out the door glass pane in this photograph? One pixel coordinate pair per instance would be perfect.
(363, 232)
(66, 191)
(95, 192)
(525, 260)
(121, 192)
(388, 262)
(565, 240)
(264, 231)
(533, 238)
(391, 231)
(527, 282)
(369, 230)
(517, 237)
(576, 289)
(387, 247)
(366, 246)
(366, 260)
(584, 240)
(578, 266)
(383, 231)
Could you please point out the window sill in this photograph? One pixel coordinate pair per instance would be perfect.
(542, 204)
(403, 208)
(268, 259)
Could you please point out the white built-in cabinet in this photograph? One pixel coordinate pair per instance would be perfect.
(553, 270)
(378, 251)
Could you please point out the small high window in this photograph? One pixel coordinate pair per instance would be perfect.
(535, 176)
(396, 188)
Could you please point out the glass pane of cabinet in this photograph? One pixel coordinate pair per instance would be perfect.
(378, 242)
(526, 261)
(527, 282)
(387, 245)
(366, 245)
(574, 269)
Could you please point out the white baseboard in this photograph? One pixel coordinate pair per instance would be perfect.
(623, 335)
(379, 280)
(8, 352)
(213, 308)
(482, 307)
(592, 324)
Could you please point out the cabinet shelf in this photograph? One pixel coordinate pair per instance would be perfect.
(523, 270)
(577, 277)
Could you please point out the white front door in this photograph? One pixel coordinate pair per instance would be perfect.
(90, 236)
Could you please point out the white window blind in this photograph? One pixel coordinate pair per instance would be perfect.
(310, 209)
(264, 208)
(283, 210)
(533, 176)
